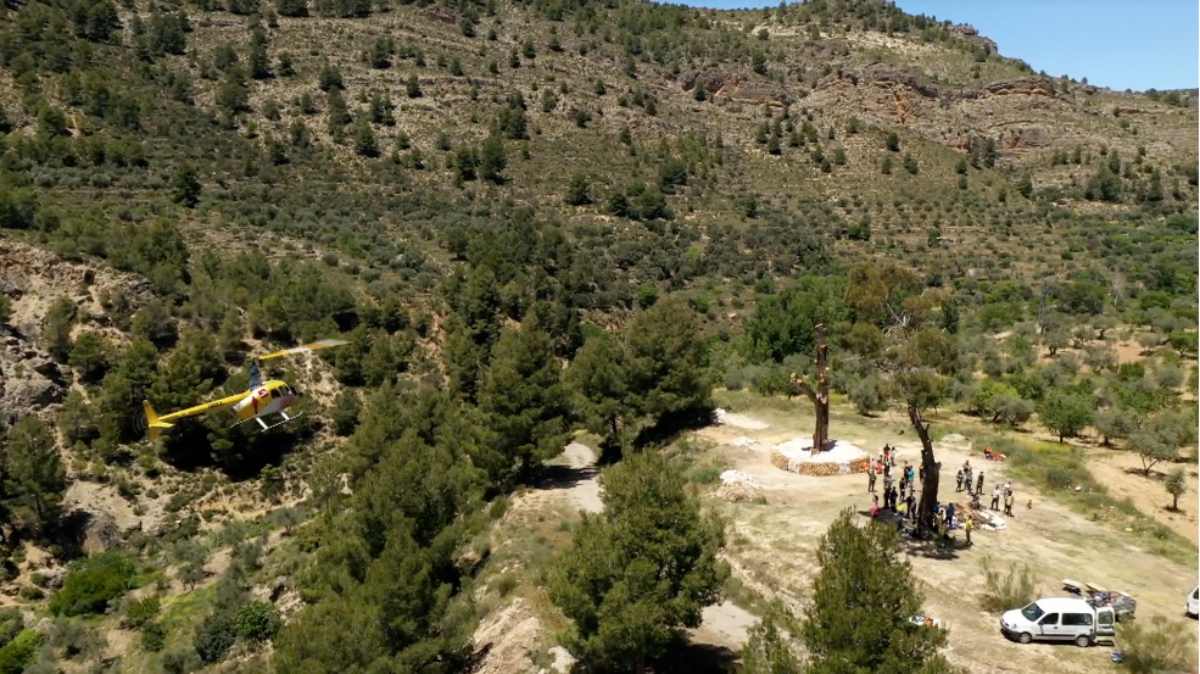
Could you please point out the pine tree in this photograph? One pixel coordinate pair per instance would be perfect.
(34, 478)
(186, 186)
(599, 385)
(858, 619)
(364, 139)
(90, 356)
(990, 154)
(60, 319)
(345, 412)
(380, 56)
(286, 67)
(465, 163)
(413, 87)
(492, 159)
(339, 114)
(577, 191)
(330, 79)
(642, 569)
(666, 360)
(524, 401)
(260, 63)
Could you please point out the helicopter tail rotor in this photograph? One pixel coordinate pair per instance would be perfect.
(152, 421)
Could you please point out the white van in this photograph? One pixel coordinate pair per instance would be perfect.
(1193, 603)
(1059, 619)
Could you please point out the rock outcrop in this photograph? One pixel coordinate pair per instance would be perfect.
(29, 379)
(34, 278)
(101, 533)
(1016, 113)
(732, 86)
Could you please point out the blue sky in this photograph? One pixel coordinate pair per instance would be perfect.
(1122, 44)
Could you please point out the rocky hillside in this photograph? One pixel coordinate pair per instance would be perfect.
(469, 192)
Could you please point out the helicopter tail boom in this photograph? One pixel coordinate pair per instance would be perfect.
(152, 422)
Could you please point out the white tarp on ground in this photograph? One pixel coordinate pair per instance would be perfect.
(738, 477)
(800, 451)
(721, 416)
(989, 520)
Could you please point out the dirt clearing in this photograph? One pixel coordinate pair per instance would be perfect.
(773, 544)
(1111, 469)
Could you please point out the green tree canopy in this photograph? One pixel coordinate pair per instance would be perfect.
(783, 324)
(1176, 485)
(60, 318)
(642, 569)
(1160, 438)
(524, 401)
(1066, 414)
(858, 619)
(598, 382)
(34, 477)
(666, 361)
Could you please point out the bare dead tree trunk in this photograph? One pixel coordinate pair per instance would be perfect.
(930, 468)
(820, 397)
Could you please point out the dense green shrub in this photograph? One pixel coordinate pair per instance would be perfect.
(141, 611)
(93, 583)
(11, 624)
(215, 636)
(153, 637)
(258, 621)
(19, 652)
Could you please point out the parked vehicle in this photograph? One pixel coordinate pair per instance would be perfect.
(1193, 603)
(1121, 602)
(1059, 619)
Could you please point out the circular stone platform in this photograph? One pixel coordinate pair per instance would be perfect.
(839, 458)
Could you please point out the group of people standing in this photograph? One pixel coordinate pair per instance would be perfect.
(1008, 498)
(903, 500)
(944, 516)
(963, 479)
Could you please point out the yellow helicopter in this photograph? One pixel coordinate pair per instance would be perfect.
(258, 401)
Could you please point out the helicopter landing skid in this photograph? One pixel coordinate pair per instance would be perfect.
(286, 418)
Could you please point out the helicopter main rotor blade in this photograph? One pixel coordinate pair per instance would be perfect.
(315, 346)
